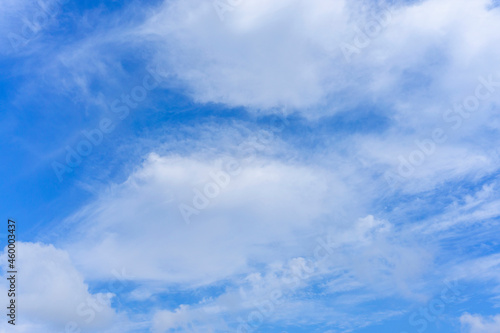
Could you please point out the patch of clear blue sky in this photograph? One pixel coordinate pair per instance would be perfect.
(35, 120)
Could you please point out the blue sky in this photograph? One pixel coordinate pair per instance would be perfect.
(252, 166)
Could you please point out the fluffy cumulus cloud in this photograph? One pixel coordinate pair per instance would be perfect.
(212, 218)
(479, 324)
(359, 261)
(305, 53)
(52, 293)
(238, 61)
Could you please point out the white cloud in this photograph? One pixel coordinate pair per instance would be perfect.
(258, 215)
(264, 55)
(474, 323)
(362, 252)
(267, 54)
(485, 269)
(53, 294)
